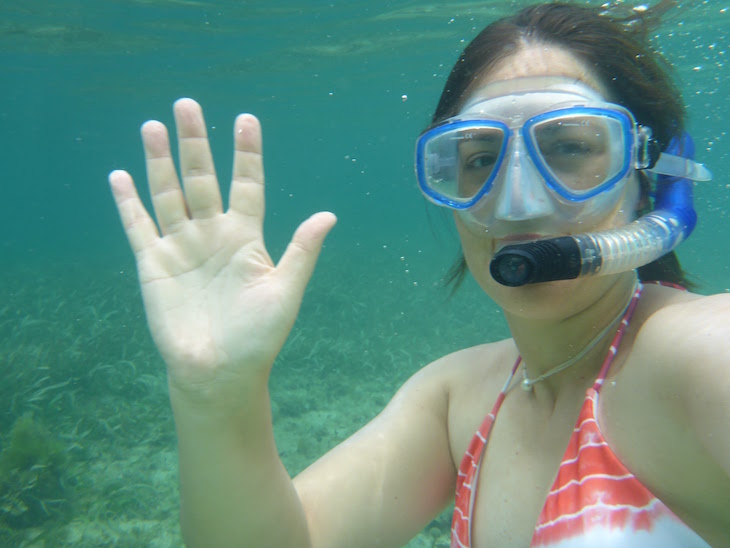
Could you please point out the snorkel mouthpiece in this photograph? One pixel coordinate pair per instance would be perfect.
(535, 262)
(616, 250)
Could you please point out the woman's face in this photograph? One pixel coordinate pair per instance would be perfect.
(551, 300)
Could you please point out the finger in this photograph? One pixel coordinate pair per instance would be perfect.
(247, 186)
(167, 197)
(138, 225)
(196, 161)
(297, 263)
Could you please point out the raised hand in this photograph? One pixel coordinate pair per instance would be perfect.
(218, 308)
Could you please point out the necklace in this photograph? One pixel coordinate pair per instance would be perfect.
(528, 383)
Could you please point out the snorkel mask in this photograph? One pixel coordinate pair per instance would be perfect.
(556, 151)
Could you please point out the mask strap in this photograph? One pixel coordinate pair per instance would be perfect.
(677, 162)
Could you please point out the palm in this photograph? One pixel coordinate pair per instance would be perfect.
(204, 287)
(217, 307)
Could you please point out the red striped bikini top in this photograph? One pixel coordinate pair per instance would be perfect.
(595, 501)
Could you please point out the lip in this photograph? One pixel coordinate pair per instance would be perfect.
(526, 237)
(511, 239)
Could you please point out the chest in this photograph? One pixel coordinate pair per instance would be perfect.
(518, 470)
(525, 454)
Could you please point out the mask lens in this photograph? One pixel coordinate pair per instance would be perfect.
(458, 162)
(580, 152)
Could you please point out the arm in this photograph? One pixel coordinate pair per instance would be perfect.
(685, 430)
(219, 311)
(707, 401)
(234, 490)
(707, 388)
(385, 483)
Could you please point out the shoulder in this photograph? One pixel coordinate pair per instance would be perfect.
(689, 338)
(471, 379)
(454, 376)
(684, 307)
(465, 368)
(684, 347)
(473, 371)
(690, 341)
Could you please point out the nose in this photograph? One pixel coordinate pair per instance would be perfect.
(523, 194)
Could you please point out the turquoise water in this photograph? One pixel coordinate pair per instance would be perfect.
(342, 89)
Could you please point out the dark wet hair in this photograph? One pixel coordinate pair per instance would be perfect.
(615, 46)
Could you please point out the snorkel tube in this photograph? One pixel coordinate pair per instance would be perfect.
(616, 250)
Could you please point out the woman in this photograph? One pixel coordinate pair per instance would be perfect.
(220, 310)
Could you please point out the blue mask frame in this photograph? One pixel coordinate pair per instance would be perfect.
(635, 140)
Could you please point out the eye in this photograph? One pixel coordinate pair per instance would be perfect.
(569, 148)
(481, 160)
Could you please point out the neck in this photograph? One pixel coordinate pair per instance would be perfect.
(580, 339)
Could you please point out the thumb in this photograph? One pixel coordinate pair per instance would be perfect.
(297, 263)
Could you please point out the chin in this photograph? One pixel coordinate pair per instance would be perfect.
(549, 300)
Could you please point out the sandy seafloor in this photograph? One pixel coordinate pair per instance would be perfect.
(79, 360)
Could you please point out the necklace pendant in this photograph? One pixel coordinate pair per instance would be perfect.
(526, 385)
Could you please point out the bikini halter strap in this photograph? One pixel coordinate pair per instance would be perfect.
(616, 342)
